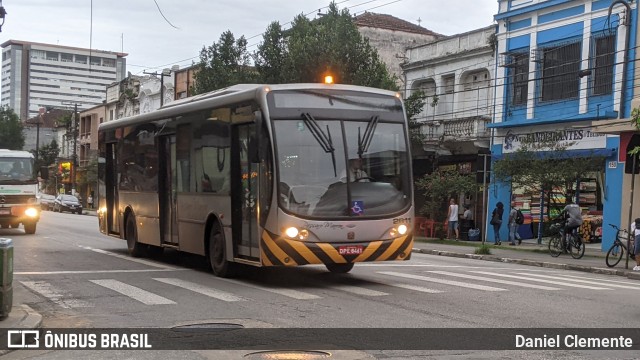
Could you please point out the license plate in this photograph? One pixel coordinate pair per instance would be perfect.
(5, 211)
(350, 250)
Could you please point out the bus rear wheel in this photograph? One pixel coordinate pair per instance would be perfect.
(218, 256)
(134, 247)
(339, 268)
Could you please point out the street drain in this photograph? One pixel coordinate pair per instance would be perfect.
(207, 326)
(288, 355)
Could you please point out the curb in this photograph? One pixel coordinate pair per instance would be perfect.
(590, 269)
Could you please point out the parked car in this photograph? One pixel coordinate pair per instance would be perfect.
(68, 203)
(46, 201)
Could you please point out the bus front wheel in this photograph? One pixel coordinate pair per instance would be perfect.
(217, 256)
(339, 268)
(134, 247)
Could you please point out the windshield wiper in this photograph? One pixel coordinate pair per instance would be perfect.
(365, 141)
(323, 139)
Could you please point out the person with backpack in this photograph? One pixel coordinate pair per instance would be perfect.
(516, 218)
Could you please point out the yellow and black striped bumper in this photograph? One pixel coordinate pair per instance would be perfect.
(278, 251)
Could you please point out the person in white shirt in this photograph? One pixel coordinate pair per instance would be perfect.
(452, 217)
(635, 230)
(354, 172)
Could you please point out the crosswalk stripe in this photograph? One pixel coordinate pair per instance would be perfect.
(56, 296)
(358, 290)
(541, 280)
(200, 289)
(415, 288)
(295, 294)
(499, 281)
(586, 281)
(441, 281)
(145, 297)
(608, 281)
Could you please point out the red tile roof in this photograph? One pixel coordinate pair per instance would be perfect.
(383, 21)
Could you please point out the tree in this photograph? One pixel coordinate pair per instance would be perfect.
(438, 187)
(413, 106)
(223, 64)
(47, 154)
(545, 166)
(311, 49)
(11, 136)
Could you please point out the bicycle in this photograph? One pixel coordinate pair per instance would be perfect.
(559, 243)
(616, 251)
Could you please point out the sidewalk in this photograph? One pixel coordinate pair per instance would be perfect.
(528, 253)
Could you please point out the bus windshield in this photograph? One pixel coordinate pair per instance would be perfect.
(342, 168)
(16, 171)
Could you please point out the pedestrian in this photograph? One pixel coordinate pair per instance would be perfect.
(496, 221)
(90, 201)
(467, 215)
(635, 230)
(452, 217)
(513, 224)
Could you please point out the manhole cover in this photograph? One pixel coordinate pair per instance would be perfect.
(208, 326)
(288, 355)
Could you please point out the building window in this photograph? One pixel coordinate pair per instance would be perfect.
(52, 55)
(603, 60)
(81, 59)
(560, 66)
(64, 57)
(519, 71)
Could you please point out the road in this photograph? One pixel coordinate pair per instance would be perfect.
(76, 277)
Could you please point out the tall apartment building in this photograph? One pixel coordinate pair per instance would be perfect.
(38, 75)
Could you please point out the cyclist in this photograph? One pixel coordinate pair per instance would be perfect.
(573, 219)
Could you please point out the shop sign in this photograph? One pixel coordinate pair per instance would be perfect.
(447, 167)
(573, 139)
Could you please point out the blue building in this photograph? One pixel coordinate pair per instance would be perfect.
(562, 64)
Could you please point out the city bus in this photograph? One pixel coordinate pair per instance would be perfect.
(259, 175)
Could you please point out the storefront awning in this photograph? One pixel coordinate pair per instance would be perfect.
(581, 153)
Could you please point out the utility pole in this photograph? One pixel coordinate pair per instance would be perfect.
(165, 72)
(74, 156)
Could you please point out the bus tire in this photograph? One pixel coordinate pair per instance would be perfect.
(30, 228)
(339, 268)
(130, 233)
(217, 255)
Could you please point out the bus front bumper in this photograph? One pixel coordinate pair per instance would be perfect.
(279, 251)
(19, 214)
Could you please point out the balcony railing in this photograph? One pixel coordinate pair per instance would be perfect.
(466, 129)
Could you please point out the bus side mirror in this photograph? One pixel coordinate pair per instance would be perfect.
(44, 173)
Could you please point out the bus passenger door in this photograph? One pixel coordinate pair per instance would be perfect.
(111, 187)
(244, 191)
(167, 190)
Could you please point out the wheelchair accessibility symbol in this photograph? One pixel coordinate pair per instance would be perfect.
(357, 207)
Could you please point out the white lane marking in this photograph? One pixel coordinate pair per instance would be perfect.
(441, 281)
(90, 271)
(358, 290)
(414, 288)
(144, 296)
(295, 294)
(499, 281)
(542, 280)
(140, 261)
(56, 296)
(200, 289)
(607, 280)
(583, 281)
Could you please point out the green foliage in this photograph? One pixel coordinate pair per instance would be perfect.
(439, 187)
(544, 166)
(413, 106)
(311, 49)
(635, 121)
(483, 249)
(11, 136)
(223, 64)
(47, 154)
(90, 173)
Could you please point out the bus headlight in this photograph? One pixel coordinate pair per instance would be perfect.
(31, 212)
(400, 230)
(294, 233)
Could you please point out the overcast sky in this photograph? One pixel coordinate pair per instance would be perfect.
(138, 28)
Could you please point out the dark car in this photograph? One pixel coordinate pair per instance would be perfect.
(68, 203)
(46, 201)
